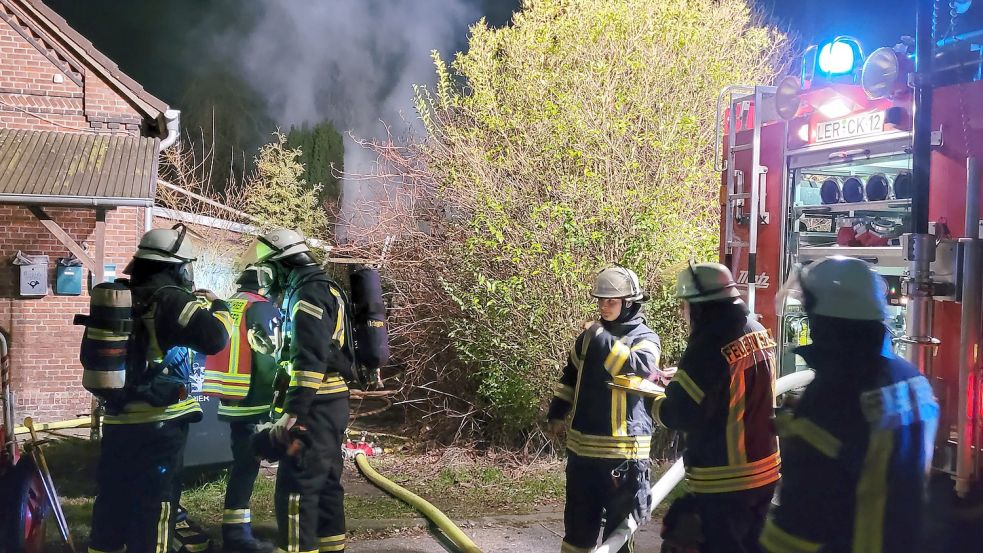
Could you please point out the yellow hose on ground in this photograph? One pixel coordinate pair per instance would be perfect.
(83, 422)
(456, 536)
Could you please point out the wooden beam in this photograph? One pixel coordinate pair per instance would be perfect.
(99, 273)
(63, 237)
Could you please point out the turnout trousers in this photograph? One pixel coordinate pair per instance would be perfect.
(727, 522)
(309, 498)
(608, 489)
(138, 486)
(236, 527)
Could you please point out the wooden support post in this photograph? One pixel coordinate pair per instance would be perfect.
(63, 237)
(98, 274)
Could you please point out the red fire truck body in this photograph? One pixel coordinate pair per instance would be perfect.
(821, 169)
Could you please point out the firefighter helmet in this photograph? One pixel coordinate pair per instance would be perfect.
(167, 245)
(256, 276)
(275, 245)
(845, 288)
(702, 282)
(618, 282)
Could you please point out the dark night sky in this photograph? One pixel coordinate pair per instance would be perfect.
(875, 22)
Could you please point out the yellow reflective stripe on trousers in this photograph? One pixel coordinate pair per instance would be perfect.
(140, 412)
(736, 449)
(94, 550)
(616, 358)
(776, 540)
(293, 523)
(619, 413)
(609, 447)
(331, 543)
(163, 528)
(868, 526)
(694, 391)
(564, 392)
(236, 516)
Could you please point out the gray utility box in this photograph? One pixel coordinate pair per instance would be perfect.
(34, 277)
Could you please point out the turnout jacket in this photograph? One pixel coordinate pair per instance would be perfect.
(256, 394)
(606, 423)
(173, 322)
(722, 397)
(318, 350)
(857, 453)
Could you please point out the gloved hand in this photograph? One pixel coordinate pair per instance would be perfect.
(281, 428)
(555, 427)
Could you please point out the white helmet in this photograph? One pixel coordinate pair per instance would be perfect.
(703, 282)
(618, 282)
(167, 245)
(275, 245)
(840, 287)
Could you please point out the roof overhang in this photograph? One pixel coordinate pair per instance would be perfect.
(77, 170)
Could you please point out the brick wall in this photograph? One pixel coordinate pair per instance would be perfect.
(45, 372)
(31, 98)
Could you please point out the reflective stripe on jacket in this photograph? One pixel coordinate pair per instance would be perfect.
(722, 396)
(857, 451)
(607, 423)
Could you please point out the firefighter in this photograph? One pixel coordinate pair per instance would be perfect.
(858, 446)
(145, 431)
(242, 377)
(722, 398)
(309, 496)
(610, 431)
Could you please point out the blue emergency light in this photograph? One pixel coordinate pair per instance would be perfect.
(840, 56)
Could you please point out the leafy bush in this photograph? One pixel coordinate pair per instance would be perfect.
(579, 136)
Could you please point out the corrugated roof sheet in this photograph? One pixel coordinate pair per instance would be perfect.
(74, 165)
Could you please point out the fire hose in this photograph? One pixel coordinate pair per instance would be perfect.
(665, 484)
(459, 540)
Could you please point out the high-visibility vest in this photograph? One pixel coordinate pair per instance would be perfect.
(227, 373)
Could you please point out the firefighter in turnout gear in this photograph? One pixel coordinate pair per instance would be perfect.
(145, 431)
(241, 376)
(318, 355)
(858, 447)
(722, 398)
(610, 431)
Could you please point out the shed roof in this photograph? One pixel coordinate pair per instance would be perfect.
(54, 168)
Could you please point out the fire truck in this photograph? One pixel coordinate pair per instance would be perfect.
(824, 163)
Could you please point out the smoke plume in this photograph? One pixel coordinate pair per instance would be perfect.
(353, 62)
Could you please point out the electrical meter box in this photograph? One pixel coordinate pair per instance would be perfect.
(34, 276)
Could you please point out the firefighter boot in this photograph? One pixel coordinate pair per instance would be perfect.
(241, 540)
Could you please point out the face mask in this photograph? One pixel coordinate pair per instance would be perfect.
(187, 275)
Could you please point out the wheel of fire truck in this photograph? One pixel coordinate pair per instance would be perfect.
(25, 510)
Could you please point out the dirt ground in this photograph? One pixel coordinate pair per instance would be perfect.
(532, 538)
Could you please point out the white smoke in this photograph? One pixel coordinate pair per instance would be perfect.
(353, 62)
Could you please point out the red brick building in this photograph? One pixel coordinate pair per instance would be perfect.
(79, 149)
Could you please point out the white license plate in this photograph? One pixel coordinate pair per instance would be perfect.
(850, 127)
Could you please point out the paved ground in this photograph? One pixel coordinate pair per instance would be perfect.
(491, 537)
